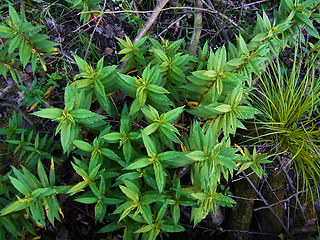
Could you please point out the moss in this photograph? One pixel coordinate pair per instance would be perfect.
(273, 194)
(241, 214)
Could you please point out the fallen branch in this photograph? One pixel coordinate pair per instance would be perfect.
(170, 25)
(196, 30)
(150, 21)
(147, 25)
(171, 8)
(267, 204)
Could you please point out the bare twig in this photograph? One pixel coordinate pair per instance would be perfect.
(266, 203)
(147, 25)
(280, 201)
(172, 8)
(211, 7)
(196, 30)
(244, 198)
(151, 20)
(250, 4)
(293, 188)
(94, 30)
(312, 144)
(249, 232)
(18, 110)
(170, 25)
(5, 90)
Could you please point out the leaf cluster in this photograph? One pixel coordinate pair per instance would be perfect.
(32, 46)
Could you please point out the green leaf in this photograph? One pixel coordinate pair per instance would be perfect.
(87, 200)
(149, 144)
(305, 19)
(51, 113)
(110, 154)
(170, 132)
(150, 113)
(266, 21)
(83, 145)
(115, 136)
(86, 114)
(129, 193)
(140, 163)
(144, 229)
(313, 32)
(223, 108)
(172, 228)
(19, 186)
(13, 207)
(66, 136)
(79, 170)
(141, 95)
(82, 64)
(146, 213)
(78, 187)
(127, 208)
(94, 171)
(150, 129)
(220, 58)
(159, 175)
(159, 53)
(197, 156)
(156, 89)
(110, 227)
(242, 45)
(14, 15)
(172, 115)
(11, 227)
(42, 175)
(31, 180)
(162, 212)
(14, 43)
(141, 42)
(290, 4)
(43, 192)
(199, 196)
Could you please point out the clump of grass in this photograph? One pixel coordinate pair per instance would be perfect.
(288, 100)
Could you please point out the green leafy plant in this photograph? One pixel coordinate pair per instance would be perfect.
(32, 149)
(171, 147)
(147, 89)
(159, 161)
(254, 161)
(134, 53)
(14, 129)
(32, 45)
(37, 195)
(98, 83)
(72, 116)
(213, 160)
(85, 6)
(125, 137)
(11, 224)
(33, 95)
(162, 125)
(160, 223)
(173, 64)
